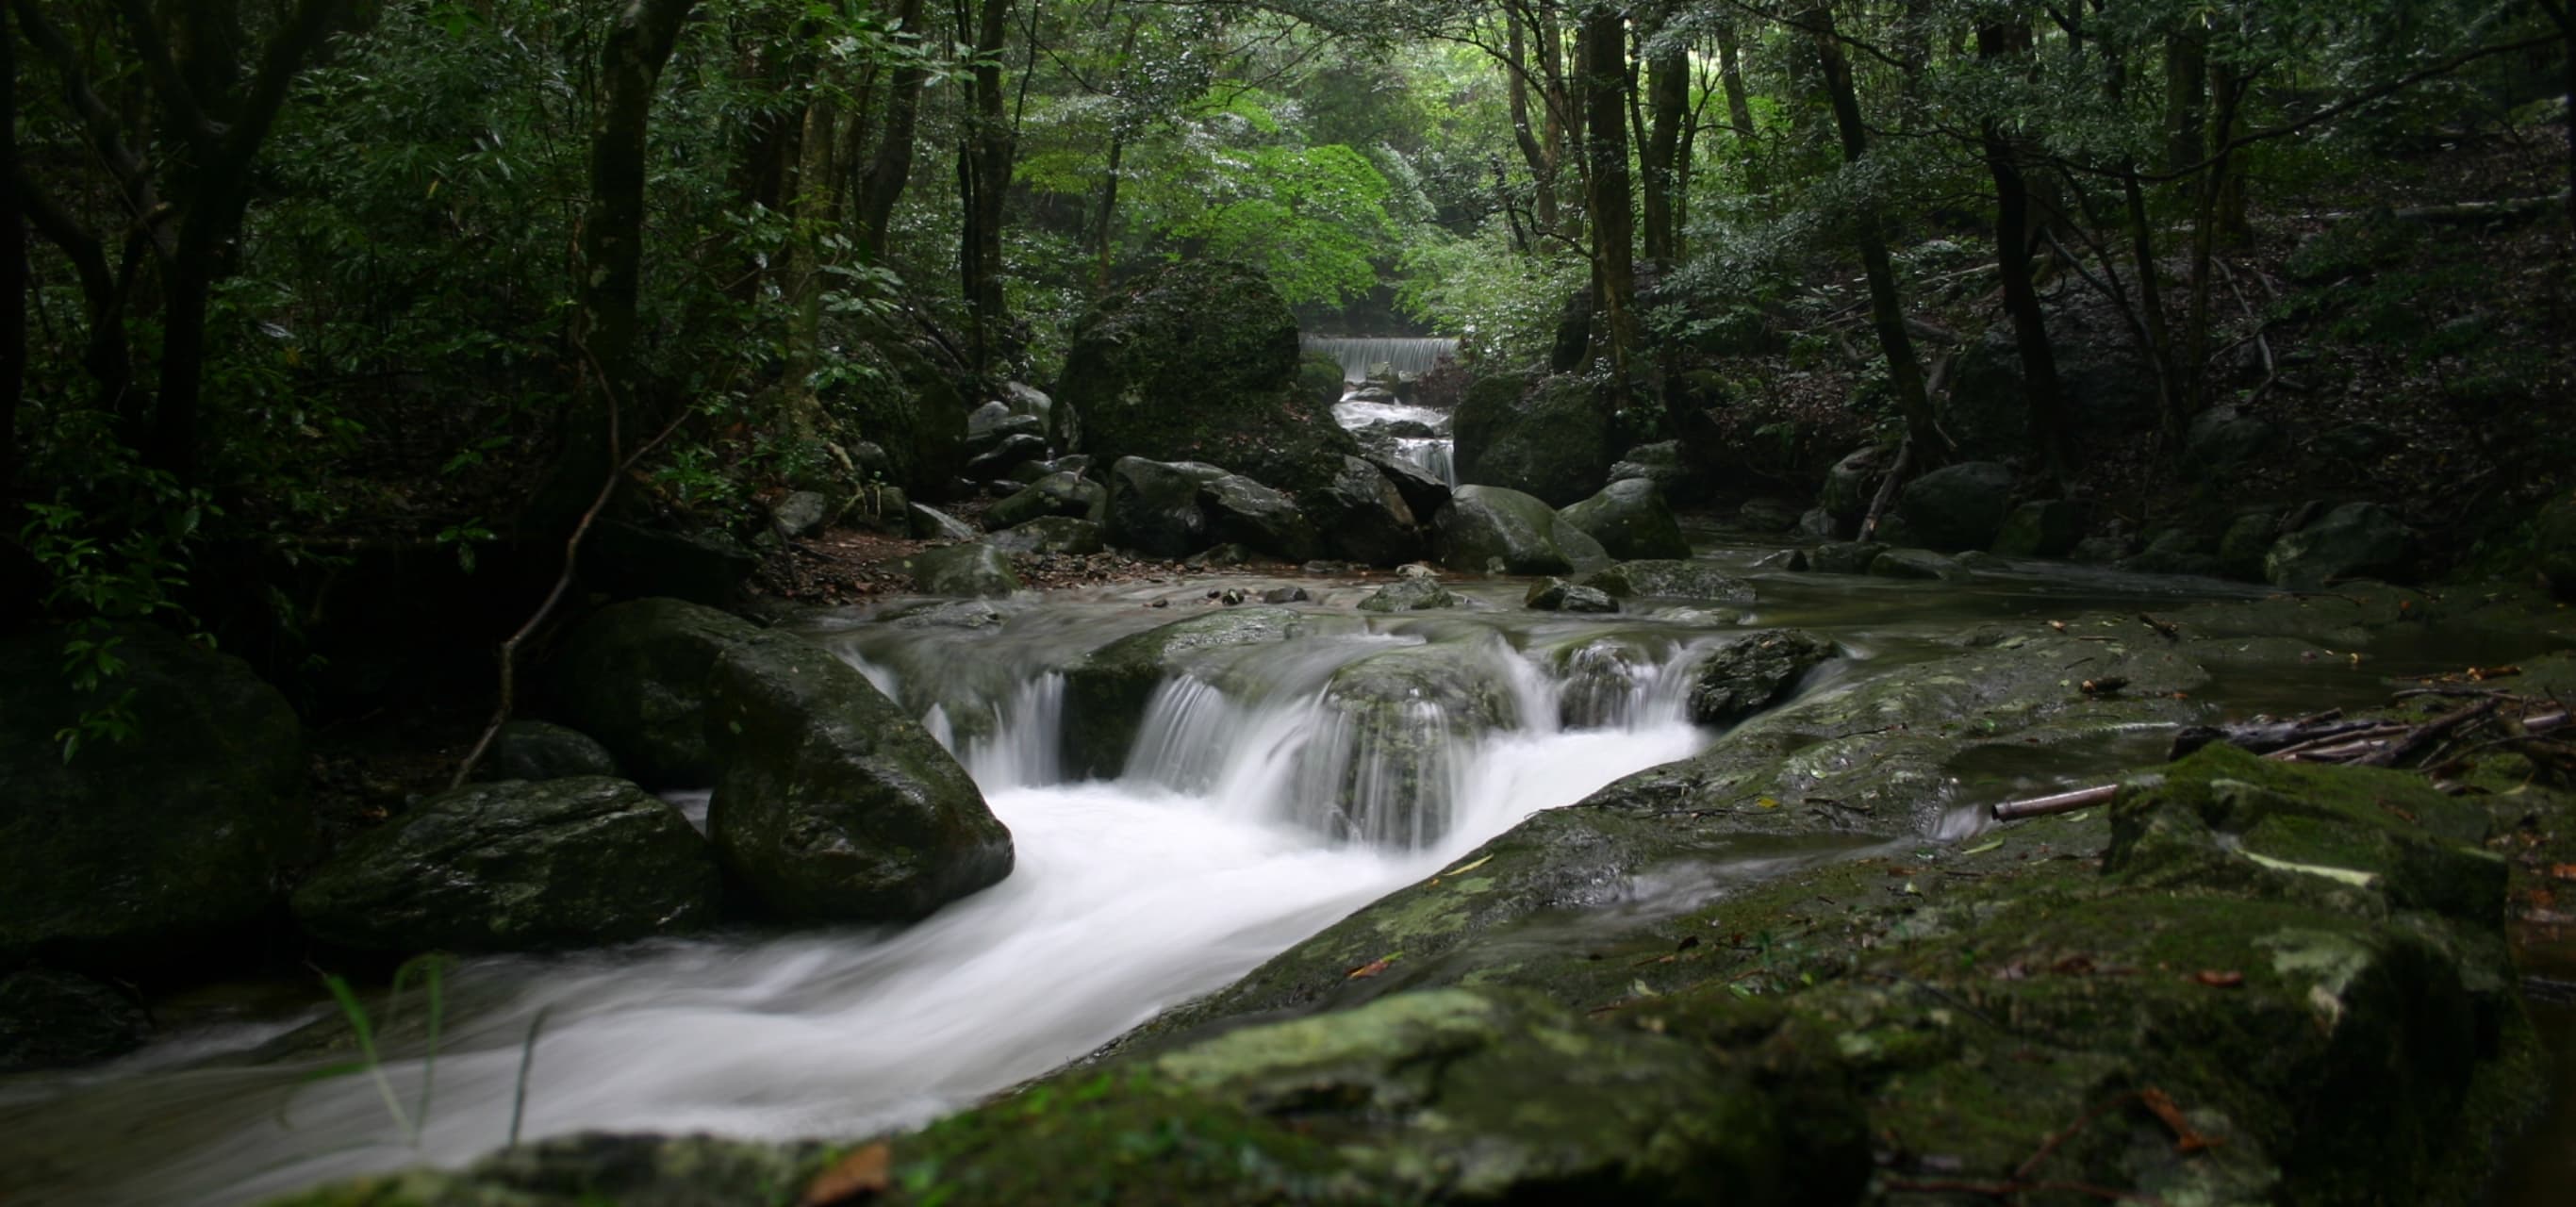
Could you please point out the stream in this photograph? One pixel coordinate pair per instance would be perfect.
(1249, 814)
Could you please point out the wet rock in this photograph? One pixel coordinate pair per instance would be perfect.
(1630, 520)
(932, 524)
(1819, 524)
(1319, 377)
(1791, 560)
(2247, 539)
(997, 462)
(975, 568)
(1853, 482)
(135, 856)
(634, 677)
(1281, 595)
(2041, 528)
(631, 562)
(1057, 494)
(1410, 595)
(1663, 463)
(1765, 515)
(2226, 438)
(1957, 506)
(1395, 725)
(2100, 550)
(591, 1169)
(1223, 557)
(1155, 507)
(799, 514)
(2174, 551)
(1106, 693)
(1246, 512)
(56, 1019)
(1916, 564)
(906, 412)
(1558, 595)
(1670, 578)
(514, 866)
(1365, 515)
(832, 805)
(1553, 443)
(950, 614)
(1424, 494)
(1199, 362)
(1491, 530)
(1052, 534)
(540, 750)
(1845, 557)
(2353, 541)
(990, 424)
(1745, 675)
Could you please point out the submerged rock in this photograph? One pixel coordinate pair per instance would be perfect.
(1630, 520)
(1395, 731)
(832, 805)
(1745, 675)
(1670, 578)
(1490, 530)
(1106, 693)
(133, 856)
(514, 866)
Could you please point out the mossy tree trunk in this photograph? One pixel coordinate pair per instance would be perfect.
(2014, 221)
(983, 180)
(1603, 47)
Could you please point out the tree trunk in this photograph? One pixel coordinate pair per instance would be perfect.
(2206, 228)
(1668, 101)
(1105, 227)
(881, 187)
(1540, 156)
(2186, 95)
(983, 177)
(1887, 310)
(2172, 404)
(1612, 205)
(638, 46)
(2013, 226)
(2565, 16)
(1739, 110)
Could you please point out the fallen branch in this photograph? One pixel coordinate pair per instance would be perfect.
(2063, 802)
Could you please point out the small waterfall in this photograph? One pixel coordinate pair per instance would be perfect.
(1434, 455)
(1025, 748)
(1363, 356)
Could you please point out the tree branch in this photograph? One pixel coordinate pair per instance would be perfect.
(204, 135)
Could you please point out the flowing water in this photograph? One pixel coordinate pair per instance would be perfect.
(1416, 435)
(1259, 802)
(1363, 357)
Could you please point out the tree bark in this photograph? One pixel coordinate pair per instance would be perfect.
(1539, 156)
(2206, 229)
(2186, 96)
(1739, 109)
(1668, 100)
(13, 273)
(631, 59)
(983, 177)
(2564, 15)
(881, 186)
(1887, 310)
(2013, 226)
(1612, 203)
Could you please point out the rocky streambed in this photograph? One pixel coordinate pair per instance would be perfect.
(1449, 899)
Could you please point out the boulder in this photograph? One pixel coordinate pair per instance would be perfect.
(802, 513)
(1199, 362)
(990, 424)
(1155, 507)
(634, 677)
(2100, 550)
(1558, 595)
(1410, 595)
(2553, 544)
(1819, 524)
(1424, 492)
(2247, 539)
(1007, 453)
(2223, 439)
(1662, 463)
(1745, 675)
(2104, 387)
(2352, 541)
(57, 1019)
(880, 509)
(1916, 564)
(1248, 513)
(515, 866)
(1670, 578)
(1059, 494)
(2174, 551)
(628, 561)
(2041, 528)
(833, 805)
(1319, 377)
(1845, 557)
(901, 404)
(1384, 768)
(971, 569)
(1958, 506)
(1491, 530)
(541, 750)
(1630, 520)
(1365, 517)
(932, 524)
(1764, 514)
(1106, 693)
(1853, 482)
(135, 855)
(1049, 534)
(1553, 443)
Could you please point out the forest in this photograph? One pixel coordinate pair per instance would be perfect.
(822, 455)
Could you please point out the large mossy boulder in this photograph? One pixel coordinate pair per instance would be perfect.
(1958, 506)
(56, 1019)
(1061, 494)
(1671, 578)
(1247, 513)
(1199, 362)
(1155, 507)
(1106, 693)
(1631, 520)
(1365, 517)
(136, 856)
(1492, 530)
(516, 865)
(1553, 442)
(2356, 540)
(832, 805)
(634, 677)
(541, 750)
(1745, 675)
(901, 402)
(974, 569)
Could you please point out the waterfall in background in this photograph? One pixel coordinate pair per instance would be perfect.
(1363, 355)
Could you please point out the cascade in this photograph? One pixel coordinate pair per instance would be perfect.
(1364, 356)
